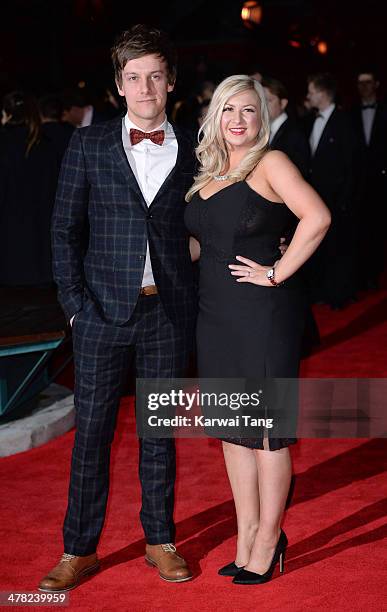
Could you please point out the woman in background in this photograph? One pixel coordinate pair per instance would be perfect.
(28, 176)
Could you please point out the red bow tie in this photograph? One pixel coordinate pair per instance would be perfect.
(137, 136)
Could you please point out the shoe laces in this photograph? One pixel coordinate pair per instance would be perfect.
(67, 557)
(168, 548)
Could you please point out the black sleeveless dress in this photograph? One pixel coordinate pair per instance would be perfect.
(244, 330)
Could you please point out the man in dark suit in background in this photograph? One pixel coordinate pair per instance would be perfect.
(287, 136)
(285, 133)
(82, 107)
(369, 119)
(332, 174)
(129, 287)
(57, 131)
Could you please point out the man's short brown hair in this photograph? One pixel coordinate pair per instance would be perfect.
(324, 81)
(275, 87)
(143, 40)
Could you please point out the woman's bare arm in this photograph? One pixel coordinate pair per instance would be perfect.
(284, 179)
(194, 247)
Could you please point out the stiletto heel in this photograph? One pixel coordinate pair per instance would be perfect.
(247, 577)
(282, 562)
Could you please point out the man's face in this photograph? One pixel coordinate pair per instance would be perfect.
(145, 87)
(367, 86)
(275, 105)
(315, 96)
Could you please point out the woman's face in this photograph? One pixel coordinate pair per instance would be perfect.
(241, 120)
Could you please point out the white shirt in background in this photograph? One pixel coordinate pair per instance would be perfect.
(319, 126)
(276, 124)
(87, 116)
(368, 116)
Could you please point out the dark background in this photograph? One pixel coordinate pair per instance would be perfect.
(52, 44)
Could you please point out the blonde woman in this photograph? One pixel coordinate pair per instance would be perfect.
(250, 314)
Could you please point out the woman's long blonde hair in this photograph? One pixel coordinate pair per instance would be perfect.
(212, 151)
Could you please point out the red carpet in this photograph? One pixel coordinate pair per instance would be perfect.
(335, 525)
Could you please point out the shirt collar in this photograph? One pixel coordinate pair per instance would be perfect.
(327, 112)
(276, 124)
(88, 116)
(130, 125)
(369, 105)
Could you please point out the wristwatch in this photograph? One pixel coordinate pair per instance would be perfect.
(270, 276)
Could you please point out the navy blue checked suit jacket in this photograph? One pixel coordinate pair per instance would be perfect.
(101, 224)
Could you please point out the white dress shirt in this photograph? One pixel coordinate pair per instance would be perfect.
(319, 126)
(276, 124)
(151, 164)
(368, 116)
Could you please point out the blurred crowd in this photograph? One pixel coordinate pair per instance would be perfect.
(342, 152)
(33, 138)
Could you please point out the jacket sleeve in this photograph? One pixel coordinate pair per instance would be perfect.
(68, 227)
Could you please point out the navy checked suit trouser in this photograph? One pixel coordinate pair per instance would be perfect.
(102, 356)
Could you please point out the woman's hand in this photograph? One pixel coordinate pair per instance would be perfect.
(194, 247)
(251, 272)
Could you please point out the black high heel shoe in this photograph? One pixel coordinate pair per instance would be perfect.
(230, 570)
(247, 577)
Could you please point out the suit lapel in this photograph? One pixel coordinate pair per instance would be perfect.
(326, 135)
(360, 126)
(375, 125)
(116, 148)
(279, 133)
(182, 158)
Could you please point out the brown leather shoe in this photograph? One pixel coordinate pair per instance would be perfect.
(67, 574)
(171, 566)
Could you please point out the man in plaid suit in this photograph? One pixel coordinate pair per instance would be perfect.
(124, 276)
